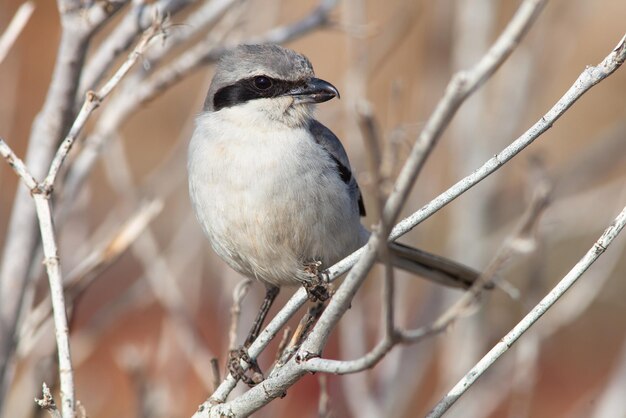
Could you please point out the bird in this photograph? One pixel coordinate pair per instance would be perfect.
(271, 186)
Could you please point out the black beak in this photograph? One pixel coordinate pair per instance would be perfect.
(314, 90)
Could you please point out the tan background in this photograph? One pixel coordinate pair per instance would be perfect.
(409, 45)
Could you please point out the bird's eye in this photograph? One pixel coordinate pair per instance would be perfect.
(262, 83)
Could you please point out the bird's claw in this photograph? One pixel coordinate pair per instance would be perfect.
(238, 372)
(317, 288)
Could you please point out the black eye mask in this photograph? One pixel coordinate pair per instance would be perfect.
(258, 87)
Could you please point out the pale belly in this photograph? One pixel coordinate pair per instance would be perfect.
(271, 207)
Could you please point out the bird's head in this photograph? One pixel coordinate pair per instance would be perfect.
(267, 79)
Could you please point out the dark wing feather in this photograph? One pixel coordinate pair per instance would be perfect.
(329, 141)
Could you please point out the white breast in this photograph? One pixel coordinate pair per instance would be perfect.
(268, 196)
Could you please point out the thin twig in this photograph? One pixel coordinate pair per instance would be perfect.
(51, 261)
(47, 402)
(15, 27)
(215, 368)
(301, 332)
(79, 22)
(17, 165)
(81, 411)
(533, 316)
(521, 241)
(239, 293)
(204, 19)
(323, 404)
(41, 195)
(460, 87)
(53, 268)
(462, 84)
(107, 253)
(205, 52)
(371, 137)
(138, 19)
(282, 345)
(81, 277)
(93, 100)
(589, 78)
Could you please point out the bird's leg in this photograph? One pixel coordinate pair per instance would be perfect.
(317, 288)
(270, 295)
(236, 356)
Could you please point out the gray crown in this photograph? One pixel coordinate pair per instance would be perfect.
(245, 61)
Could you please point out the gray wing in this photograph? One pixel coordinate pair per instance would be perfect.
(329, 141)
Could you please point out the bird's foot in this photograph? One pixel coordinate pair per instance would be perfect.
(238, 372)
(318, 288)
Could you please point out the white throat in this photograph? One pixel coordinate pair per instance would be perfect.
(269, 113)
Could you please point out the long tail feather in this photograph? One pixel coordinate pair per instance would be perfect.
(432, 267)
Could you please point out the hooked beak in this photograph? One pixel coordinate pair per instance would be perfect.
(314, 90)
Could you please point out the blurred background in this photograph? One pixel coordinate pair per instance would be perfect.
(148, 316)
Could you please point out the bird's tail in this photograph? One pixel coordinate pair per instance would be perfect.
(432, 267)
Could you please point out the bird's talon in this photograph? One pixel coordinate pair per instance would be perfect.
(237, 371)
(318, 288)
(317, 291)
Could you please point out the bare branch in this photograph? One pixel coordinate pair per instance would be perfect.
(17, 165)
(53, 268)
(520, 241)
(301, 332)
(463, 84)
(204, 18)
(461, 87)
(136, 20)
(8, 38)
(78, 26)
(533, 316)
(41, 195)
(203, 53)
(323, 404)
(275, 383)
(51, 261)
(239, 293)
(47, 402)
(371, 139)
(282, 344)
(93, 100)
(208, 51)
(350, 366)
(79, 279)
(591, 76)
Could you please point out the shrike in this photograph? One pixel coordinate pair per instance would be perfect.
(271, 186)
